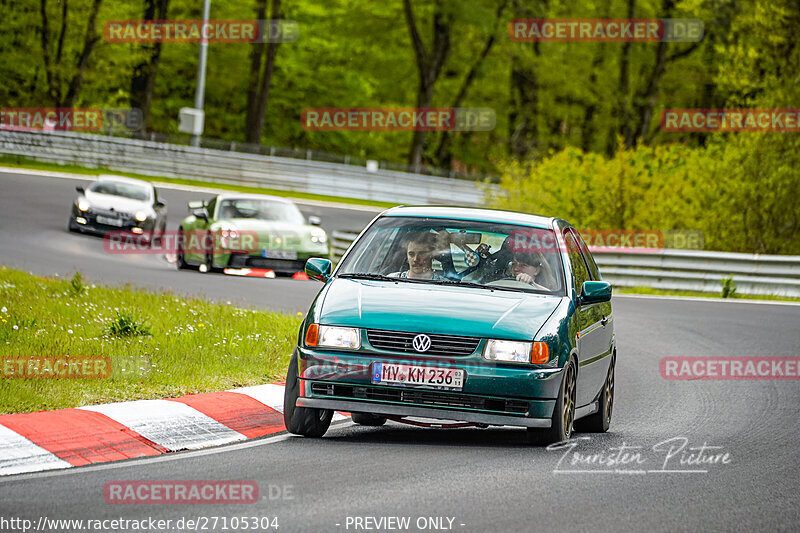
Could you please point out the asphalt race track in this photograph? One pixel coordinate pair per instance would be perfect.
(484, 479)
(33, 236)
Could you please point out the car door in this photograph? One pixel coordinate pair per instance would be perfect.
(161, 211)
(589, 325)
(607, 331)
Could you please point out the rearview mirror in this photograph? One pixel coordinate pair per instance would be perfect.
(319, 269)
(80, 189)
(200, 213)
(595, 292)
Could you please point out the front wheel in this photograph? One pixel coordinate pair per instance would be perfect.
(563, 415)
(179, 252)
(306, 421)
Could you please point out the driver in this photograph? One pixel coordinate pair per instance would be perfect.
(419, 253)
(531, 268)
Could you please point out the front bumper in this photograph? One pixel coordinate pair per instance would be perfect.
(89, 222)
(425, 412)
(516, 395)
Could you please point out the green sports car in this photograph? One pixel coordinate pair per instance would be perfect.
(476, 316)
(254, 231)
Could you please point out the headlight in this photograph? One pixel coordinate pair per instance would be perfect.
(319, 235)
(516, 352)
(227, 233)
(140, 216)
(84, 205)
(333, 337)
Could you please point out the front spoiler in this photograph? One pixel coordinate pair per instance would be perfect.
(424, 412)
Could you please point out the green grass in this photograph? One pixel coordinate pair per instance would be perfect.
(735, 296)
(25, 162)
(160, 345)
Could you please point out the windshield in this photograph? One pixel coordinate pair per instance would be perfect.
(118, 188)
(260, 209)
(443, 251)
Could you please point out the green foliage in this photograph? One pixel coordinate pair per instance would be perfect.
(728, 287)
(76, 285)
(566, 107)
(194, 345)
(126, 324)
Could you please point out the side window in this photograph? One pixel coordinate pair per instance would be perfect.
(587, 256)
(579, 271)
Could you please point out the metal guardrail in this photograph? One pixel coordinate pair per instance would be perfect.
(153, 158)
(691, 270)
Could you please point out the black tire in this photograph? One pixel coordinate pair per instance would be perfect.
(367, 419)
(600, 421)
(563, 415)
(209, 259)
(181, 261)
(73, 227)
(305, 421)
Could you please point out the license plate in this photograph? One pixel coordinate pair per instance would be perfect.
(279, 254)
(109, 221)
(418, 376)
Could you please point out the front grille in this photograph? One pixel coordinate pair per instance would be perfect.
(279, 265)
(401, 341)
(420, 397)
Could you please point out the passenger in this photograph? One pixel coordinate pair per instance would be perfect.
(533, 269)
(419, 253)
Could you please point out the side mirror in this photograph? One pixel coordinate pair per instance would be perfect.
(200, 213)
(80, 189)
(314, 220)
(159, 205)
(319, 269)
(195, 204)
(594, 292)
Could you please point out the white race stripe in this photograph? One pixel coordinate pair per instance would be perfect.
(18, 455)
(173, 425)
(272, 396)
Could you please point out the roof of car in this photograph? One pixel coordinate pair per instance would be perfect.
(471, 213)
(123, 179)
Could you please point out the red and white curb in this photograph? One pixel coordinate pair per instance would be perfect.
(47, 440)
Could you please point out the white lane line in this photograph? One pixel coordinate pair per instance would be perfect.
(272, 396)
(703, 299)
(19, 455)
(173, 425)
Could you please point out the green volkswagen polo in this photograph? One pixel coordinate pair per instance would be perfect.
(475, 316)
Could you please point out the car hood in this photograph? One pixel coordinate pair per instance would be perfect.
(118, 203)
(414, 307)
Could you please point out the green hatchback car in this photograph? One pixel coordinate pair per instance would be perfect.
(477, 316)
(249, 231)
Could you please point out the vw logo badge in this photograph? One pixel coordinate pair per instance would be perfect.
(421, 343)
